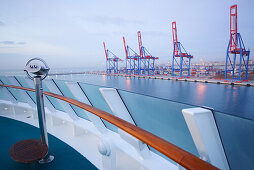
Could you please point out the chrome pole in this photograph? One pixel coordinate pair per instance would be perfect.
(41, 117)
(40, 109)
(40, 73)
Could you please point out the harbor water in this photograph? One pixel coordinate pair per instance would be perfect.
(230, 99)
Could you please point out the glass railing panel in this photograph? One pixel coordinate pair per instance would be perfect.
(161, 117)
(237, 138)
(66, 92)
(15, 92)
(97, 100)
(53, 101)
(52, 86)
(6, 95)
(24, 83)
(2, 96)
(24, 93)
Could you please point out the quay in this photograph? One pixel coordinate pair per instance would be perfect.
(168, 77)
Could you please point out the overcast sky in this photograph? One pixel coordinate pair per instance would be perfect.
(68, 33)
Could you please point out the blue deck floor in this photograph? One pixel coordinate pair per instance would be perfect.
(12, 131)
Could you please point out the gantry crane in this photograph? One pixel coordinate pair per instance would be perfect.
(179, 64)
(132, 59)
(111, 61)
(146, 60)
(237, 55)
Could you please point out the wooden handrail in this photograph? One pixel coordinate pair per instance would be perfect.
(172, 151)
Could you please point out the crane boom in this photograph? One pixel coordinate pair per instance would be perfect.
(125, 48)
(105, 51)
(233, 28)
(174, 32)
(140, 45)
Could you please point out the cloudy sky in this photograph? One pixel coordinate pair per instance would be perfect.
(68, 33)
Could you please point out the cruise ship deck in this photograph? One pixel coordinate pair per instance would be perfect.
(13, 131)
(96, 127)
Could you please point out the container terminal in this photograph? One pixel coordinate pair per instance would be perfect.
(237, 69)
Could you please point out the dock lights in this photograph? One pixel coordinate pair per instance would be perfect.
(39, 69)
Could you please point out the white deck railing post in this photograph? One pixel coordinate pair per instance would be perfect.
(108, 152)
(119, 109)
(205, 135)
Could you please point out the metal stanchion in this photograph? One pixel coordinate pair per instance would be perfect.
(40, 72)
